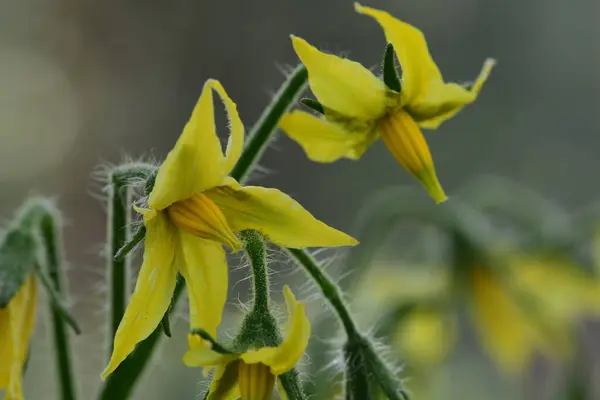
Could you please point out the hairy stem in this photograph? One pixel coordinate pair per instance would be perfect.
(256, 250)
(55, 270)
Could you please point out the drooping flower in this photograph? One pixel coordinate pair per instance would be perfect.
(357, 108)
(16, 327)
(252, 374)
(194, 209)
(530, 307)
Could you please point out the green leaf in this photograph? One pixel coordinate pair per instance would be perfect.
(17, 257)
(313, 105)
(390, 74)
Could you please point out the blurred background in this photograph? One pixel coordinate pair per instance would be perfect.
(87, 83)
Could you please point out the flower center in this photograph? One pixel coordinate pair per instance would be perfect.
(256, 381)
(200, 216)
(403, 137)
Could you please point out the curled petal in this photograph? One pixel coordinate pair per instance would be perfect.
(200, 354)
(275, 215)
(444, 100)
(153, 290)
(342, 85)
(196, 163)
(204, 268)
(324, 141)
(284, 357)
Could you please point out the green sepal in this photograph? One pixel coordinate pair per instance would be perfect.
(166, 325)
(313, 104)
(18, 253)
(55, 299)
(135, 239)
(215, 346)
(390, 73)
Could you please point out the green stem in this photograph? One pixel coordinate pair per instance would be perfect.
(257, 252)
(330, 290)
(119, 222)
(263, 130)
(54, 264)
(120, 384)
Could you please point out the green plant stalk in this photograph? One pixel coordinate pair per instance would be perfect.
(119, 222)
(122, 381)
(54, 264)
(266, 126)
(330, 290)
(257, 252)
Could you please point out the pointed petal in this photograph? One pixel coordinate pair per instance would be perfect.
(444, 100)
(406, 142)
(418, 68)
(425, 337)
(196, 163)
(224, 385)
(205, 271)
(235, 143)
(284, 357)
(503, 329)
(340, 84)
(281, 391)
(275, 215)
(17, 321)
(323, 141)
(201, 355)
(153, 290)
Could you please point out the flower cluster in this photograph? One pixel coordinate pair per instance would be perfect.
(196, 206)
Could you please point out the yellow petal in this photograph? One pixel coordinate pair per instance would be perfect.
(324, 141)
(425, 337)
(284, 357)
(418, 68)
(204, 267)
(17, 321)
(201, 217)
(342, 85)
(224, 384)
(281, 391)
(200, 354)
(153, 290)
(404, 139)
(444, 100)
(196, 163)
(256, 381)
(503, 329)
(276, 215)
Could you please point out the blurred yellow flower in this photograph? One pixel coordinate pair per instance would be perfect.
(358, 108)
(16, 327)
(531, 306)
(251, 375)
(195, 208)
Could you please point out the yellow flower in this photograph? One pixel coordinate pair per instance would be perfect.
(193, 209)
(359, 108)
(16, 327)
(251, 375)
(532, 306)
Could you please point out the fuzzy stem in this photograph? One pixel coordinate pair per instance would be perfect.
(330, 290)
(118, 230)
(54, 265)
(257, 252)
(263, 130)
